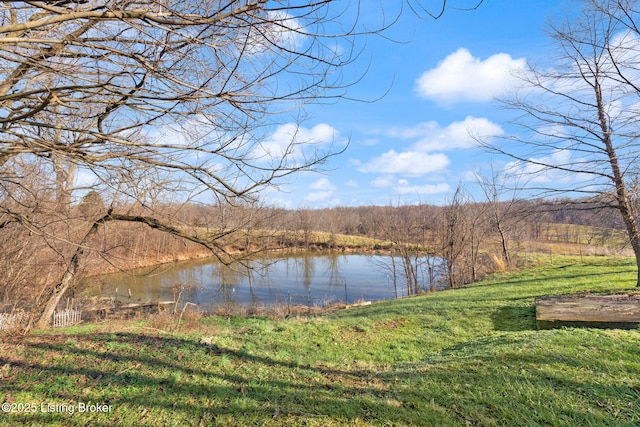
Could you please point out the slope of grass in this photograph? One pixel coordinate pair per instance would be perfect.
(465, 357)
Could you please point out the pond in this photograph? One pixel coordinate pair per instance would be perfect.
(301, 279)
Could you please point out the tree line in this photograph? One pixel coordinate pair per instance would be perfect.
(426, 246)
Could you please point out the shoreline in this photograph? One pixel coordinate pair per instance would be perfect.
(314, 248)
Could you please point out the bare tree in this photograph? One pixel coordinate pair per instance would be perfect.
(579, 119)
(399, 225)
(476, 219)
(154, 104)
(92, 83)
(454, 234)
(305, 225)
(180, 91)
(501, 205)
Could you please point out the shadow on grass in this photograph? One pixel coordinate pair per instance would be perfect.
(514, 318)
(172, 381)
(165, 380)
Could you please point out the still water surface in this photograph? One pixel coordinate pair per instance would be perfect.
(299, 279)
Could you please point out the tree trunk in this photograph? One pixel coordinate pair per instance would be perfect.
(503, 240)
(450, 275)
(410, 273)
(622, 196)
(394, 273)
(49, 305)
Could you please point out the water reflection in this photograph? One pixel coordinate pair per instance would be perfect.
(299, 280)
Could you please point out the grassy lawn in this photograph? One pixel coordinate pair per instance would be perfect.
(465, 357)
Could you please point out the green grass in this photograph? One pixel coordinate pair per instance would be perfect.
(466, 357)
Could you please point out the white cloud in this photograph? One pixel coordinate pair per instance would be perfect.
(431, 136)
(324, 189)
(403, 186)
(318, 196)
(279, 30)
(285, 30)
(420, 158)
(463, 77)
(384, 182)
(322, 184)
(543, 169)
(417, 131)
(336, 51)
(190, 133)
(424, 189)
(413, 163)
(290, 138)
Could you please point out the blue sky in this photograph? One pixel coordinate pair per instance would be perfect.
(413, 145)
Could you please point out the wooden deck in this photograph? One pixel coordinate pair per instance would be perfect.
(595, 311)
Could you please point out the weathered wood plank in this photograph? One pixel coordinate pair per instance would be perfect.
(605, 311)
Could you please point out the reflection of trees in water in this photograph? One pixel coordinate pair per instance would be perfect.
(260, 274)
(301, 279)
(227, 279)
(414, 274)
(309, 268)
(302, 268)
(333, 270)
(335, 278)
(232, 280)
(250, 280)
(142, 285)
